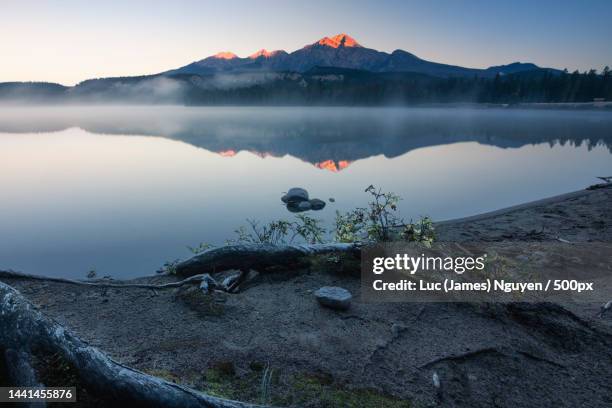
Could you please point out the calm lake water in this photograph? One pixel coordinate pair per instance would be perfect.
(122, 190)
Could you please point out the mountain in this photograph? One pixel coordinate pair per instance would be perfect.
(341, 51)
(335, 70)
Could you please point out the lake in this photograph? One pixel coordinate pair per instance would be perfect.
(123, 189)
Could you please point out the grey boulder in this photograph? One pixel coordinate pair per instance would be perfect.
(317, 204)
(334, 297)
(304, 206)
(295, 195)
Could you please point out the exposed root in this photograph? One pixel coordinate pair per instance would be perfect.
(487, 350)
(25, 329)
(542, 359)
(19, 368)
(104, 284)
(462, 356)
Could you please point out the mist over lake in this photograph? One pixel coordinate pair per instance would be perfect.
(123, 189)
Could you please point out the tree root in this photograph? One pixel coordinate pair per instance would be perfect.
(462, 356)
(24, 329)
(104, 284)
(542, 359)
(486, 350)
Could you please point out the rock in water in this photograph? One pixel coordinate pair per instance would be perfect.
(294, 207)
(304, 206)
(317, 204)
(295, 195)
(334, 297)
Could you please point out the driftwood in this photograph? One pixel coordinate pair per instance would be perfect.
(25, 331)
(255, 256)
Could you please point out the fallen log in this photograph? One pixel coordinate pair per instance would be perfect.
(256, 257)
(24, 331)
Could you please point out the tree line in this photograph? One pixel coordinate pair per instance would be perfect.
(540, 86)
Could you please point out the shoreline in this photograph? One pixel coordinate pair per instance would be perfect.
(605, 106)
(444, 225)
(523, 206)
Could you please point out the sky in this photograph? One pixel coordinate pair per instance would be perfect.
(67, 41)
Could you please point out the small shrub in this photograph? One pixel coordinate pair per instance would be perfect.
(350, 226)
(308, 228)
(422, 232)
(380, 222)
(382, 214)
(274, 232)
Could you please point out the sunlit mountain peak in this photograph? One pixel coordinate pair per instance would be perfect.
(263, 53)
(225, 55)
(340, 40)
(227, 153)
(332, 166)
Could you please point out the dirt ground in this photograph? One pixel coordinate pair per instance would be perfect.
(373, 355)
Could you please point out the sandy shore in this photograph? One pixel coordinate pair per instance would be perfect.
(378, 355)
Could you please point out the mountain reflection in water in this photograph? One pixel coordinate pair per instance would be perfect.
(329, 138)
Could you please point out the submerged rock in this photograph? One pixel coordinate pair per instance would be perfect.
(294, 207)
(297, 201)
(334, 297)
(304, 206)
(317, 204)
(295, 195)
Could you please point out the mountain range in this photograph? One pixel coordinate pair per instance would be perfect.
(334, 70)
(340, 51)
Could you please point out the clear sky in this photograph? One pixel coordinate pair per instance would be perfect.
(68, 41)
